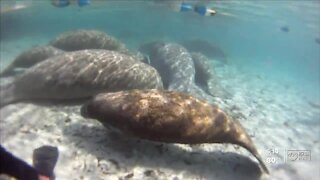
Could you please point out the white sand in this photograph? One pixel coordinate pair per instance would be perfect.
(275, 115)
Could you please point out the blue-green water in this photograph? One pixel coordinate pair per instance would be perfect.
(247, 31)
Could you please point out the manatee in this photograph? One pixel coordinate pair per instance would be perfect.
(169, 117)
(176, 67)
(206, 48)
(80, 74)
(31, 57)
(87, 39)
(138, 56)
(205, 77)
(204, 72)
(151, 47)
(174, 64)
(92, 39)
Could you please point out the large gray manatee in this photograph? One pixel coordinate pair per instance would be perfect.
(91, 39)
(176, 67)
(80, 74)
(87, 39)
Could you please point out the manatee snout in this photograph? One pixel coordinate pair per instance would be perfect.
(87, 110)
(91, 110)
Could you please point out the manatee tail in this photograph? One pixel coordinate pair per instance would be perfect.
(262, 164)
(7, 95)
(8, 71)
(253, 150)
(243, 139)
(247, 143)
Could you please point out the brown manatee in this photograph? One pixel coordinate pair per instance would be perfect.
(80, 74)
(168, 116)
(31, 57)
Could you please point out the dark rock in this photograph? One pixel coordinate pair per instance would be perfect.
(187, 162)
(129, 176)
(149, 173)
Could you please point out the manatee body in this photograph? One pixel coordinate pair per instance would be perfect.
(167, 116)
(205, 76)
(81, 74)
(92, 39)
(204, 72)
(87, 39)
(176, 67)
(206, 48)
(30, 58)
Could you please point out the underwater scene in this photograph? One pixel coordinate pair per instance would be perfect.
(160, 89)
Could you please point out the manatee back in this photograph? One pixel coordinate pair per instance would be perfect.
(168, 116)
(83, 74)
(178, 60)
(86, 39)
(164, 116)
(30, 58)
(35, 55)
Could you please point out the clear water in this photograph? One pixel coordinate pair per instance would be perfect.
(249, 32)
